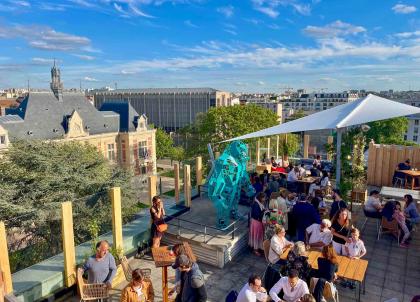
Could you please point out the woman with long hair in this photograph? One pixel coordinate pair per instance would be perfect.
(340, 227)
(256, 231)
(328, 264)
(410, 210)
(157, 213)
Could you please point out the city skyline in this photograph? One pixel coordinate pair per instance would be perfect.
(250, 45)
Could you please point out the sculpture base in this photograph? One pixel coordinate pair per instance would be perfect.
(210, 245)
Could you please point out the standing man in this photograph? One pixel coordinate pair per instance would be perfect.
(193, 288)
(101, 266)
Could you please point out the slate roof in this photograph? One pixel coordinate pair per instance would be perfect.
(128, 115)
(42, 116)
(159, 90)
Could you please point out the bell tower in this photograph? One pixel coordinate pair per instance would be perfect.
(56, 85)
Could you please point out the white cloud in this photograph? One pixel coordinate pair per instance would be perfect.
(261, 83)
(84, 57)
(404, 9)
(44, 61)
(230, 31)
(411, 34)
(45, 38)
(271, 7)
(226, 11)
(334, 29)
(190, 24)
(89, 79)
(269, 11)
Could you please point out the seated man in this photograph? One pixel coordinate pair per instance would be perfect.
(293, 288)
(319, 235)
(315, 172)
(401, 166)
(101, 266)
(373, 205)
(292, 178)
(252, 291)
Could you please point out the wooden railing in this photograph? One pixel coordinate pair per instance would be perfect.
(383, 160)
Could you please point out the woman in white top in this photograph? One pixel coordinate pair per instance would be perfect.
(325, 181)
(278, 244)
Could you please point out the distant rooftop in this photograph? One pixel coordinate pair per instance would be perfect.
(159, 90)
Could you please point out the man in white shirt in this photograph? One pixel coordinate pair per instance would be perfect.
(252, 291)
(319, 235)
(302, 171)
(373, 205)
(293, 288)
(293, 175)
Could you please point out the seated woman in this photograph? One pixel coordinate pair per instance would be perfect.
(273, 162)
(400, 217)
(138, 290)
(325, 181)
(410, 210)
(327, 270)
(373, 205)
(298, 259)
(278, 245)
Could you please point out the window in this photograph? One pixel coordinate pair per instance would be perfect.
(111, 152)
(2, 139)
(405, 137)
(143, 153)
(416, 122)
(416, 130)
(415, 138)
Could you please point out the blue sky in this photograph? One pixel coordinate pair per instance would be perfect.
(243, 45)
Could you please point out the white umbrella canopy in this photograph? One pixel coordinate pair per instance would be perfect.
(368, 109)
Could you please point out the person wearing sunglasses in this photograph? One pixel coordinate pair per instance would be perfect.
(293, 288)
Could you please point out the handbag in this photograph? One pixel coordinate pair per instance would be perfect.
(163, 227)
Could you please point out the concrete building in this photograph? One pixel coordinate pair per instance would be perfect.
(116, 130)
(274, 106)
(167, 108)
(313, 102)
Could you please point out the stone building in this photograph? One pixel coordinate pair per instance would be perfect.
(116, 130)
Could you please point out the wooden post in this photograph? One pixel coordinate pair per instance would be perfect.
(268, 147)
(4, 260)
(258, 158)
(277, 146)
(152, 187)
(115, 194)
(330, 141)
(69, 251)
(199, 171)
(306, 146)
(187, 185)
(176, 179)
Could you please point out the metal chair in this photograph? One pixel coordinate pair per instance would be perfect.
(367, 216)
(328, 294)
(399, 182)
(89, 292)
(128, 270)
(390, 227)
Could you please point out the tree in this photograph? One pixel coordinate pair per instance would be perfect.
(221, 123)
(297, 115)
(164, 144)
(389, 131)
(35, 177)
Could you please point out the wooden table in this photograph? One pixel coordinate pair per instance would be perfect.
(307, 180)
(351, 269)
(397, 193)
(412, 174)
(163, 258)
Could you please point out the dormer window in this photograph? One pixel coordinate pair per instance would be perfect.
(55, 130)
(30, 132)
(2, 140)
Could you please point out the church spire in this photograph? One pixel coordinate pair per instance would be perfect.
(56, 85)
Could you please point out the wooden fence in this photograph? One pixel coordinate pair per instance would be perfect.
(383, 159)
